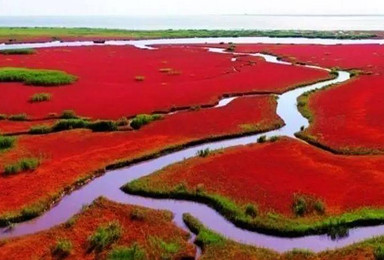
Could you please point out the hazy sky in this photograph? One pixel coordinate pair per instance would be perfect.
(176, 7)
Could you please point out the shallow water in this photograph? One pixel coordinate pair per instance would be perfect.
(260, 22)
(109, 184)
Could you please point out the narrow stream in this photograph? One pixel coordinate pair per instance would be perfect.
(109, 184)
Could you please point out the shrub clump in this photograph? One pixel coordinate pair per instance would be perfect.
(105, 235)
(143, 119)
(18, 117)
(24, 164)
(68, 124)
(40, 97)
(6, 142)
(24, 51)
(262, 139)
(68, 114)
(63, 248)
(251, 210)
(102, 126)
(304, 204)
(203, 153)
(40, 130)
(36, 77)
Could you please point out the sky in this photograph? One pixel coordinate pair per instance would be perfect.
(195, 7)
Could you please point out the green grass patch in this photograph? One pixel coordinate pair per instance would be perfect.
(18, 117)
(23, 164)
(40, 97)
(68, 114)
(40, 129)
(166, 249)
(311, 213)
(62, 248)
(18, 51)
(143, 119)
(36, 77)
(16, 33)
(105, 236)
(68, 124)
(6, 142)
(127, 253)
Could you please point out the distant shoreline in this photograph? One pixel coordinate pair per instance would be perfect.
(12, 35)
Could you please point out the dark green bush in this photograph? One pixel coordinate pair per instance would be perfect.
(203, 153)
(68, 124)
(102, 126)
(262, 139)
(6, 142)
(251, 210)
(18, 51)
(299, 206)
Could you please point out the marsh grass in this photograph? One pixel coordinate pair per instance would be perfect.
(105, 236)
(6, 142)
(134, 252)
(143, 119)
(166, 249)
(203, 153)
(36, 77)
(62, 248)
(40, 97)
(305, 204)
(102, 126)
(18, 117)
(68, 114)
(40, 129)
(379, 252)
(68, 124)
(18, 51)
(22, 165)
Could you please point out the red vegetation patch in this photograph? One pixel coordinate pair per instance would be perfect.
(175, 76)
(368, 57)
(7, 126)
(153, 224)
(70, 155)
(270, 174)
(349, 118)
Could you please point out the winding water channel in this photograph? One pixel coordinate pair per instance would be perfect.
(109, 184)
